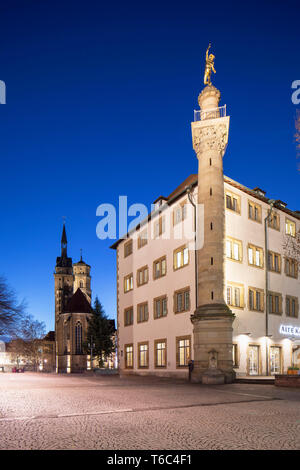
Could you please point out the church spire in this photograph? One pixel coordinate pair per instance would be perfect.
(64, 243)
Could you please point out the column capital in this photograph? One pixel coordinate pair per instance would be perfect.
(210, 134)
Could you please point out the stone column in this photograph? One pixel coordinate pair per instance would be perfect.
(212, 319)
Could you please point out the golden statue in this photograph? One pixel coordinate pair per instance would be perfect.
(209, 66)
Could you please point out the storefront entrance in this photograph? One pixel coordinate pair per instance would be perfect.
(253, 360)
(275, 360)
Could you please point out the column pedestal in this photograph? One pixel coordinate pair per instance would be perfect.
(212, 334)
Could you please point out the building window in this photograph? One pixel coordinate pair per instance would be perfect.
(291, 267)
(235, 295)
(159, 227)
(275, 360)
(81, 284)
(143, 239)
(233, 202)
(143, 355)
(182, 300)
(142, 312)
(291, 306)
(256, 299)
(181, 257)
(255, 256)
(78, 338)
(129, 356)
(128, 316)
(274, 262)
(183, 351)
(142, 276)
(160, 353)
(160, 267)
(275, 303)
(128, 248)
(254, 211)
(235, 358)
(179, 213)
(128, 282)
(160, 307)
(253, 360)
(274, 221)
(290, 227)
(234, 249)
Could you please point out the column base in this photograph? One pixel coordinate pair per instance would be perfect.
(213, 344)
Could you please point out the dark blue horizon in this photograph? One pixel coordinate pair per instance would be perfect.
(99, 103)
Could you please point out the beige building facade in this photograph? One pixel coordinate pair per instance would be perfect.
(230, 302)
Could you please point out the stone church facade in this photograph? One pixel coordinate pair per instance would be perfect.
(72, 311)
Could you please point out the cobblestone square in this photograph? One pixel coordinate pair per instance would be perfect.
(45, 411)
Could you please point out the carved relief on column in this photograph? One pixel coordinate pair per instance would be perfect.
(212, 137)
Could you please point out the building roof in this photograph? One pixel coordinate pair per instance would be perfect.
(50, 336)
(78, 303)
(192, 180)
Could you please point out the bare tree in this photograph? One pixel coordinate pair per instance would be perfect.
(10, 310)
(291, 246)
(31, 333)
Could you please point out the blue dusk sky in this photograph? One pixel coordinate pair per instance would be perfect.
(100, 97)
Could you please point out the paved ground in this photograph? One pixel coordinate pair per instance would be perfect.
(45, 411)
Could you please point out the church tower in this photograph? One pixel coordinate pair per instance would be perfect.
(212, 319)
(82, 278)
(72, 310)
(63, 277)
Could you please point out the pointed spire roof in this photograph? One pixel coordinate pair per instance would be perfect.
(64, 235)
(78, 303)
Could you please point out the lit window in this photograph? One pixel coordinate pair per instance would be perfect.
(234, 249)
(78, 338)
(183, 351)
(129, 356)
(181, 257)
(128, 282)
(160, 353)
(235, 295)
(255, 256)
(290, 228)
(143, 355)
